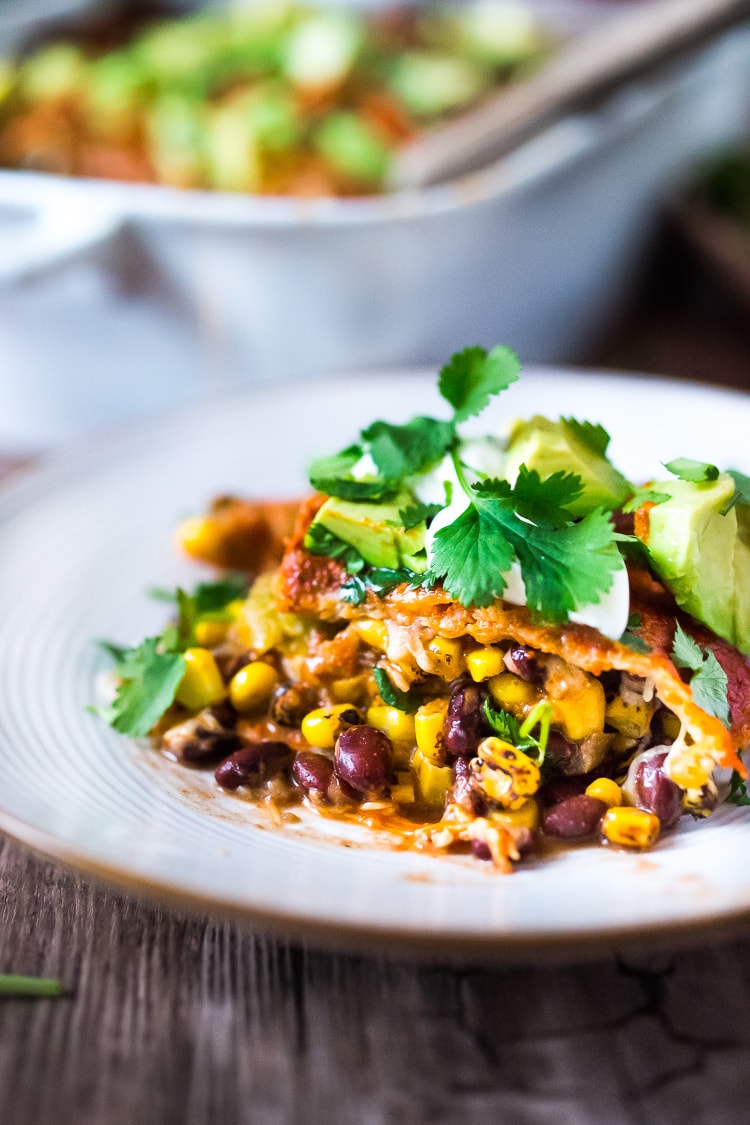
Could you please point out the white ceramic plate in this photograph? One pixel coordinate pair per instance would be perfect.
(86, 535)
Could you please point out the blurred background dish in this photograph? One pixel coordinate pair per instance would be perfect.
(118, 297)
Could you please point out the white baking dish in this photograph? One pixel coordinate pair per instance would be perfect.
(538, 251)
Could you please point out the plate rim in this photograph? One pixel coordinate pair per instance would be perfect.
(351, 936)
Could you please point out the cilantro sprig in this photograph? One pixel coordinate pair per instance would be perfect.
(709, 680)
(402, 700)
(467, 382)
(150, 673)
(564, 562)
(507, 726)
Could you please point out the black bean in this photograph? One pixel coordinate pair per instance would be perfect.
(575, 818)
(559, 789)
(364, 759)
(653, 791)
(481, 850)
(253, 764)
(522, 661)
(312, 771)
(465, 723)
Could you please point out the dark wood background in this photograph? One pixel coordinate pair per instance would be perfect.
(193, 1021)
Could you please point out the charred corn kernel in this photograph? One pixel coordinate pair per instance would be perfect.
(525, 816)
(482, 663)
(322, 726)
(199, 536)
(431, 782)
(396, 724)
(581, 713)
(210, 633)
(447, 658)
(631, 719)
(234, 608)
(604, 789)
(630, 828)
(428, 730)
(252, 686)
(372, 632)
(504, 773)
(511, 693)
(201, 684)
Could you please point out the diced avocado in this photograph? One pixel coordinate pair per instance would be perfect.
(700, 555)
(742, 579)
(374, 531)
(353, 147)
(430, 84)
(552, 447)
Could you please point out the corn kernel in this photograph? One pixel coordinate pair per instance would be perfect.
(396, 724)
(483, 663)
(210, 633)
(631, 719)
(201, 684)
(604, 789)
(581, 713)
(630, 828)
(351, 688)
(511, 693)
(447, 659)
(251, 687)
(199, 537)
(505, 773)
(525, 816)
(402, 793)
(428, 730)
(670, 725)
(322, 726)
(432, 782)
(372, 632)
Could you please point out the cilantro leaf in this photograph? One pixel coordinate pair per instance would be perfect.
(569, 566)
(594, 437)
(471, 377)
(507, 726)
(149, 682)
(379, 580)
(335, 465)
(644, 496)
(393, 696)
(347, 488)
(696, 471)
(401, 451)
(320, 541)
(471, 554)
(738, 794)
(541, 501)
(418, 513)
(709, 680)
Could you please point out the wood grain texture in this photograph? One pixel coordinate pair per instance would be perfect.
(179, 1021)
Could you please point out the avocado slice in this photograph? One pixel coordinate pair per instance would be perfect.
(702, 555)
(375, 531)
(551, 447)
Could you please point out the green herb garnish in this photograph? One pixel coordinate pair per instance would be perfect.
(30, 986)
(738, 794)
(709, 680)
(150, 674)
(644, 496)
(518, 734)
(698, 472)
(631, 639)
(393, 696)
(593, 436)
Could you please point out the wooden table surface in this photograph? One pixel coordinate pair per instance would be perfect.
(190, 1021)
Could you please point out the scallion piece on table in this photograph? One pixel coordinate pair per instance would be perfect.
(30, 986)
